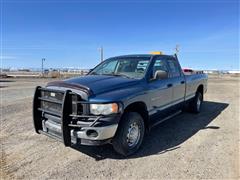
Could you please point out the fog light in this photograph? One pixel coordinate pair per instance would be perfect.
(91, 133)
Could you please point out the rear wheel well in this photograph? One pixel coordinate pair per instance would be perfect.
(141, 108)
(200, 89)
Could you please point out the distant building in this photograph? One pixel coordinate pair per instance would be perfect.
(234, 72)
(24, 70)
(211, 71)
(222, 71)
(5, 70)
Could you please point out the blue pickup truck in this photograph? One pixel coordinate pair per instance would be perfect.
(118, 101)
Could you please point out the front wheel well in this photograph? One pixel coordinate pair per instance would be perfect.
(141, 108)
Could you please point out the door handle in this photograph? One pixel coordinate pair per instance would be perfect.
(182, 82)
(169, 85)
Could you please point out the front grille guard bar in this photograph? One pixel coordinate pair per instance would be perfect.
(65, 115)
(66, 110)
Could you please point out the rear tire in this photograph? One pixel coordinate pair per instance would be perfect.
(196, 104)
(129, 135)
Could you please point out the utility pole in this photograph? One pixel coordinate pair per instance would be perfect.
(43, 59)
(101, 53)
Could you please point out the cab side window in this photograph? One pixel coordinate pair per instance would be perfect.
(174, 68)
(159, 65)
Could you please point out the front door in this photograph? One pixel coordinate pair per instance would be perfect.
(161, 93)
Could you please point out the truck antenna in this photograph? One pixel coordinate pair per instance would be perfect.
(177, 49)
(101, 53)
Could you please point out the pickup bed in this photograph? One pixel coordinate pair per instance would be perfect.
(118, 102)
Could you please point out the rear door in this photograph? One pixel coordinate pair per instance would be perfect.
(177, 80)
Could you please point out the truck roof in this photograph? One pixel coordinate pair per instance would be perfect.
(141, 56)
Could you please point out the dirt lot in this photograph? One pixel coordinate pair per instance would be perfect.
(188, 146)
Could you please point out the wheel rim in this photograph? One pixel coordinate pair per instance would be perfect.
(199, 103)
(133, 134)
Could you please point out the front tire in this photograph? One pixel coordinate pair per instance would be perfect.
(129, 135)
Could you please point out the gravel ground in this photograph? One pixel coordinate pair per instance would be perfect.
(188, 146)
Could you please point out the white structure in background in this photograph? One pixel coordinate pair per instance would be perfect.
(214, 71)
(234, 72)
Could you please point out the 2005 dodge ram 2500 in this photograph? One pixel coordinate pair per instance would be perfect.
(117, 102)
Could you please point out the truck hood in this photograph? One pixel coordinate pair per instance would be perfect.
(96, 84)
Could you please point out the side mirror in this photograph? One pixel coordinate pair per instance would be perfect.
(160, 74)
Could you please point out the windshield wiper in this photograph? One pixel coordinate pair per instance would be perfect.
(112, 74)
(93, 73)
(122, 75)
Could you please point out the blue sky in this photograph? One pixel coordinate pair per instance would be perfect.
(69, 33)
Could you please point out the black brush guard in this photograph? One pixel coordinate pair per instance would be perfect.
(38, 112)
(66, 117)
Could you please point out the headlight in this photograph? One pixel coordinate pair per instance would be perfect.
(104, 109)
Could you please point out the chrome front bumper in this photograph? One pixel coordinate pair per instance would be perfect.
(103, 133)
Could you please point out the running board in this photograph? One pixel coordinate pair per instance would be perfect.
(166, 118)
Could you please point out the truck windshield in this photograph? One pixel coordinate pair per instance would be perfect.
(126, 67)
